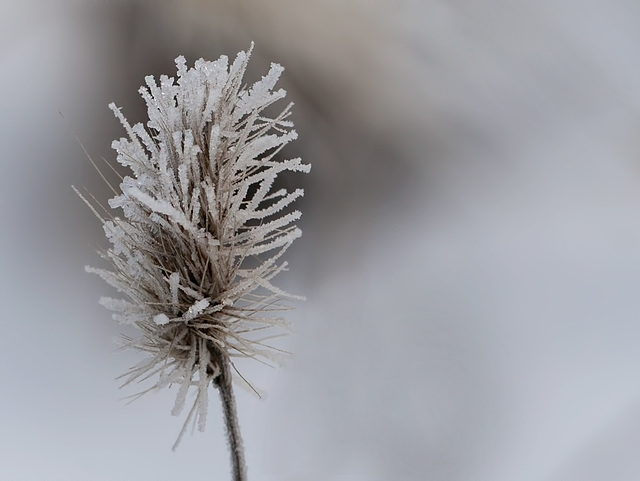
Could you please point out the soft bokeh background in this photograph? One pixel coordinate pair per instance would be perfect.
(471, 251)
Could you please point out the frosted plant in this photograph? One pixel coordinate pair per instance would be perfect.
(203, 232)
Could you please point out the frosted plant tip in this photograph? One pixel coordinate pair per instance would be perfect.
(200, 231)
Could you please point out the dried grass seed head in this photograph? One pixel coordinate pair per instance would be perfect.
(203, 232)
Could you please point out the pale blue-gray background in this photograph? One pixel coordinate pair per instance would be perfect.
(471, 248)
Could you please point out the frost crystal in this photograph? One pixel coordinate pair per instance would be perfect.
(203, 231)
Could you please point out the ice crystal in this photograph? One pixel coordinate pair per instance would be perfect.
(203, 229)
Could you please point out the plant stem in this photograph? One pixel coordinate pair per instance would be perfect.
(223, 382)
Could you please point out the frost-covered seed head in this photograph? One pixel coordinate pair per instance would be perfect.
(202, 232)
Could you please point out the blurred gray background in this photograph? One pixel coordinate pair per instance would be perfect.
(471, 248)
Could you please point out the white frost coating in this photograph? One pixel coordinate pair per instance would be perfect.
(201, 230)
(161, 319)
(195, 310)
